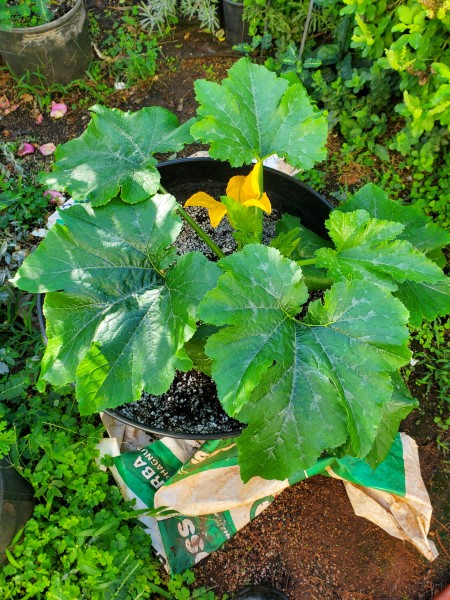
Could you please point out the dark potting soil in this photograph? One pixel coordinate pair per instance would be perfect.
(190, 405)
(222, 235)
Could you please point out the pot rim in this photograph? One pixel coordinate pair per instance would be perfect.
(199, 159)
(46, 26)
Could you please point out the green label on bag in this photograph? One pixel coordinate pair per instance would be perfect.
(389, 476)
(189, 539)
(213, 454)
(147, 469)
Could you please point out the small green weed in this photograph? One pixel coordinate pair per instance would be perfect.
(24, 13)
(434, 361)
(22, 203)
(83, 540)
(129, 52)
(40, 90)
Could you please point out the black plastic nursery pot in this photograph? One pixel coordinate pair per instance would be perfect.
(236, 29)
(259, 592)
(16, 505)
(56, 52)
(184, 177)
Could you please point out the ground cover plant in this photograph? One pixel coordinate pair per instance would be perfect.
(384, 265)
(83, 539)
(27, 13)
(361, 58)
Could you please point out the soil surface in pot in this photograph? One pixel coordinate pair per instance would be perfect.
(308, 543)
(190, 405)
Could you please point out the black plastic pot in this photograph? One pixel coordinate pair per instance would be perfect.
(236, 29)
(16, 505)
(56, 52)
(186, 176)
(260, 592)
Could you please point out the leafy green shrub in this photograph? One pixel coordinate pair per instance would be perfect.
(374, 55)
(22, 203)
(410, 38)
(284, 20)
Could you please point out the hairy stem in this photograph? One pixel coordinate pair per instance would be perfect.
(196, 227)
(199, 231)
(306, 261)
(316, 283)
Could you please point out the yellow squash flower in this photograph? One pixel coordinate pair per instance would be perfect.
(243, 189)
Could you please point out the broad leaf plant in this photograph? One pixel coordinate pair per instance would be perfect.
(305, 374)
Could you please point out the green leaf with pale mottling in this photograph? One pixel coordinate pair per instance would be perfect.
(253, 114)
(115, 155)
(116, 321)
(424, 300)
(301, 386)
(367, 249)
(419, 229)
(393, 413)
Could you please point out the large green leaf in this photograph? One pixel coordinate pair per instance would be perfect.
(424, 300)
(366, 248)
(115, 155)
(301, 386)
(419, 229)
(393, 413)
(118, 315)
(253, 114)
(308, 243)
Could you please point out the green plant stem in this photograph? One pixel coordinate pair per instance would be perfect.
(305, 30)
(306, 261)
(316, 283)
(198, 230)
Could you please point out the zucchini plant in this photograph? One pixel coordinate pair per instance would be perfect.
(306, 376)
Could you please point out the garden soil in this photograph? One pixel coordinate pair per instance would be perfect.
(308, 543)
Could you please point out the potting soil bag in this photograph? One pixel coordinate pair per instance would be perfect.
(203, 485)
